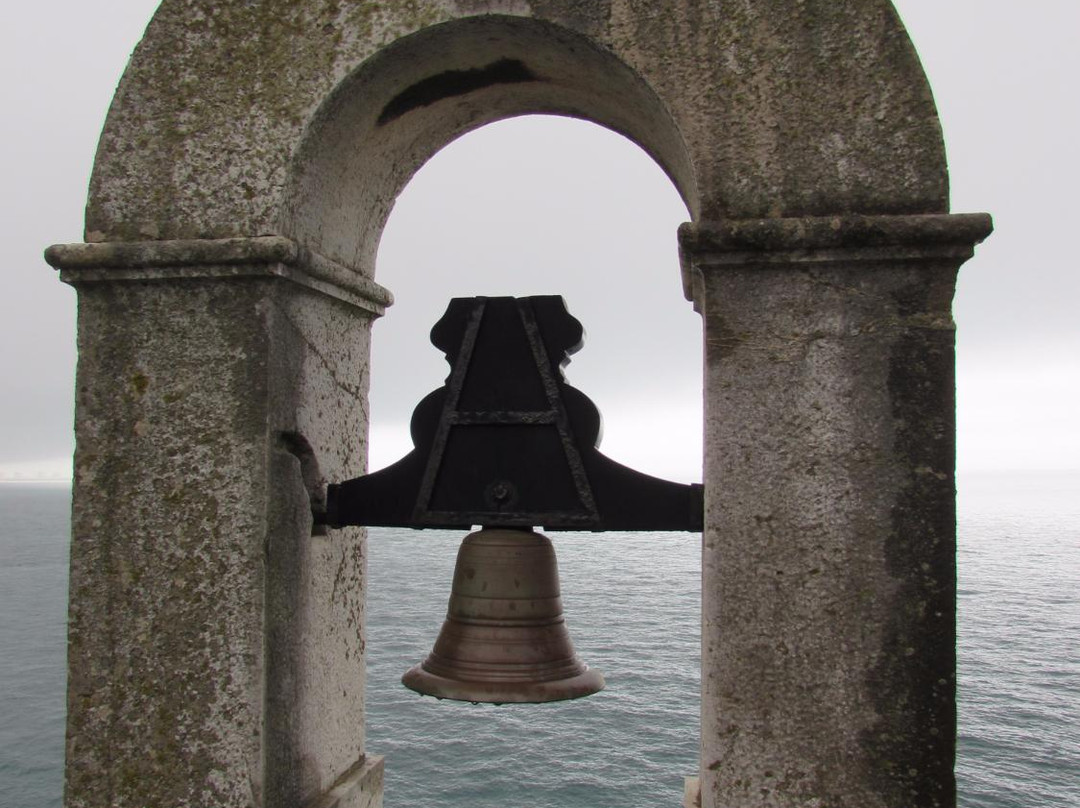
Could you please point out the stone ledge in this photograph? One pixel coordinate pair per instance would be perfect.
(817, 232)
(360, 787)
(828, 239)
(173, 253)
(262, 256)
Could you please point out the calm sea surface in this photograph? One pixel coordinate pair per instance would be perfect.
(632, 608)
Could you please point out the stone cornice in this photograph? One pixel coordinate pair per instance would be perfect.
(828, 239)
(261, 256)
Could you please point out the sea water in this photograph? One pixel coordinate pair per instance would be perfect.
(632, 606)
(34, 526)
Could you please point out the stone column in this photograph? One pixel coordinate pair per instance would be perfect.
(828, 637)
(216, 652)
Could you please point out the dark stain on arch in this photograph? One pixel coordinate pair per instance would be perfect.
(452, 83)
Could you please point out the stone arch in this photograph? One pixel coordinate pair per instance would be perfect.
(217, 100)
(245, 170)
(415, 96)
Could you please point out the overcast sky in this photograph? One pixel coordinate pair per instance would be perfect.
(589, 216)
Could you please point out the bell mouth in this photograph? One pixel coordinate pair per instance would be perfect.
(574, 687)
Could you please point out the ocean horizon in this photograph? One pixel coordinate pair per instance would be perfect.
(638, 622)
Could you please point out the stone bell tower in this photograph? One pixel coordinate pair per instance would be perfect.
(226, 291)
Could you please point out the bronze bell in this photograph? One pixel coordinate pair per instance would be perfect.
(504, 638)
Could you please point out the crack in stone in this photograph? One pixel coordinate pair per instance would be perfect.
(353, 390)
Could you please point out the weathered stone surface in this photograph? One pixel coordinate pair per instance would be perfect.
(166, 638)
(190, 252)
(825, 239)
(248, 163)
(224, 105)
(774, 239)
(361, 787)
(828, 670)
(316, 583)
(216, 646)
(266, 256)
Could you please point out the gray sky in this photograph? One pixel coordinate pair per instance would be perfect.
(1003, 75)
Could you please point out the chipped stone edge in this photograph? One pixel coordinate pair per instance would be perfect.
(359, 787)
(827, 239)
(691, 792)
(260, 256)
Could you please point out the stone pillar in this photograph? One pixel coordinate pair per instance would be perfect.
(216, 652)
(828, 637)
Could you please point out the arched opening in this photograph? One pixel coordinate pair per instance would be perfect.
(420, 93)
(546, 205)
(368, 138)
